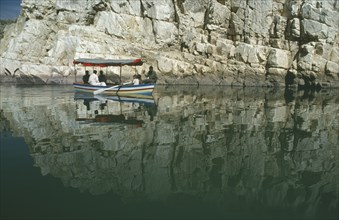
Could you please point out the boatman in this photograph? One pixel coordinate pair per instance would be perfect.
(94, 80)
(151, 76)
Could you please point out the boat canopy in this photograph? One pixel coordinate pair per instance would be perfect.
(108, 62)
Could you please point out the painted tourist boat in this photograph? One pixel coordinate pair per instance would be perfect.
(140, 91)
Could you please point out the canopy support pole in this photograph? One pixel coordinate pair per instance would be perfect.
(120, 81)
(120, 75)
(75, 73)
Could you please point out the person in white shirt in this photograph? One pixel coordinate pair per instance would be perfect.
(94, 79)
(136, 80)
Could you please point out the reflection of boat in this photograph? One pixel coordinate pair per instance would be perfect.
(134, 99)
(121, 90)
(114, 109)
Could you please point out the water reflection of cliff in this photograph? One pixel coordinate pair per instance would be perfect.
(232, 146)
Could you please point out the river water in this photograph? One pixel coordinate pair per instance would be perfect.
(187, 153)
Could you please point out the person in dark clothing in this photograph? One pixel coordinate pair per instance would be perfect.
(86, 77)
(151, 76)
(102, 77)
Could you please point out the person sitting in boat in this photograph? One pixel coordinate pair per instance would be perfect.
(94, 80)
(102, 77)
(151, 76)
(139, 77)
(136, 80)
(85, 78)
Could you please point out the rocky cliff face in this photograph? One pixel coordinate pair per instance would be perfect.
(228, 42)
(3, 24)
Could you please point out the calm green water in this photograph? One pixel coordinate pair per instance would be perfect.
(188, 153)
